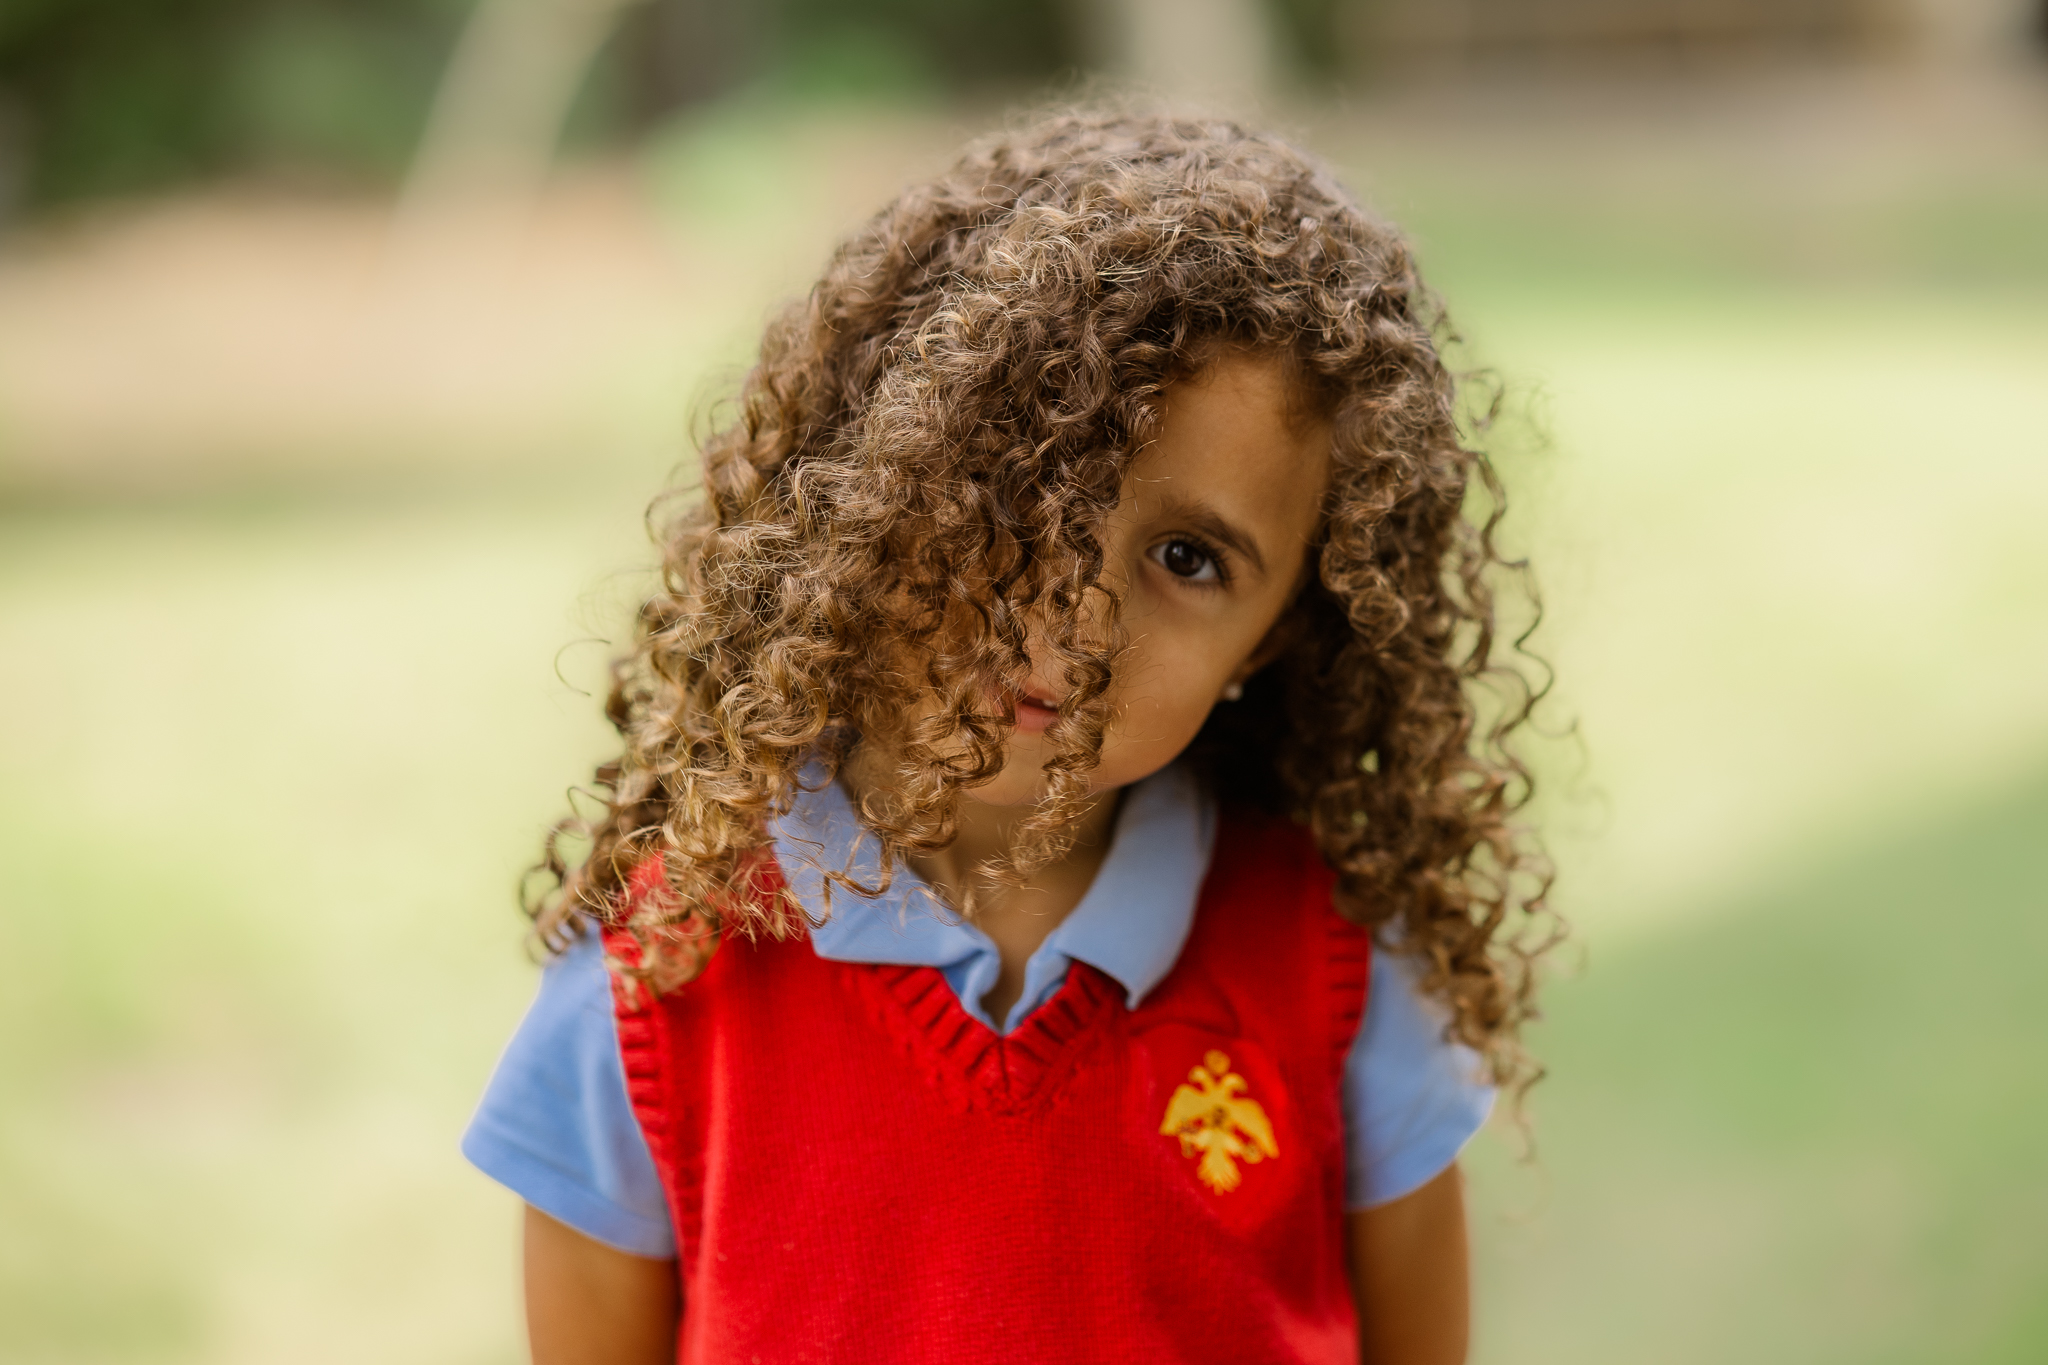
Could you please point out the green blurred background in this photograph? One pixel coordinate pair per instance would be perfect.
(341, 346)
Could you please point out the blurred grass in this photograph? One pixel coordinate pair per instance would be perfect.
(270, 760)
(260, 823)
(1803, 1127)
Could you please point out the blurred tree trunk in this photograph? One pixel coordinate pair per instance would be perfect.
(504, 98)
(1216, 51)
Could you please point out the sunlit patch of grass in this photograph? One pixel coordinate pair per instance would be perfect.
(1791, 553)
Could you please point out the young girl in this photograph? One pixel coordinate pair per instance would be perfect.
(1052, 891)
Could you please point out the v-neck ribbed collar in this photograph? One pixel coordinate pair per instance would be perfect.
(1131, 923)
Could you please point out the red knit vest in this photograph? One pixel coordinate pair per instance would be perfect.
(859, 1171)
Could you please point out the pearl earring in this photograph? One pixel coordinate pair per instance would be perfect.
(1233, 691)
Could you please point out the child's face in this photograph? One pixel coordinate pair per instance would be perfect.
(1206, 548)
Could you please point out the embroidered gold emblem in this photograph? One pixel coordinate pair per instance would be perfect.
(1211, 1118)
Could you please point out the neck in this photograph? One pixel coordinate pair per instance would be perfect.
(986, 833)
(1016, 918)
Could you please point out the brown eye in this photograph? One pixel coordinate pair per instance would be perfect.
(1188, 559)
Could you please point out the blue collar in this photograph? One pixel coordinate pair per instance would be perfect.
(1131, 924)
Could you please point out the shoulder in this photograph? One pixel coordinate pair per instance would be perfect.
(1266, 853)
(1269, 890)
(1267, 930)
(556, 1125)
(1263, 831)
(1412, 1097)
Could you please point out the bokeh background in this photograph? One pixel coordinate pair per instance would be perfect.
(342, 344)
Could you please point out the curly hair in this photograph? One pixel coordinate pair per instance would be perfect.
(912, 488)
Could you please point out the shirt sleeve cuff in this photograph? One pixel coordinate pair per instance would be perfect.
(558, 1195)
(1416, 1163)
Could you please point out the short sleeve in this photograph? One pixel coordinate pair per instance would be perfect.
(1411, 1100)
(555, 1125)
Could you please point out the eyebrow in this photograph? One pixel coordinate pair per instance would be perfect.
(1199, 516)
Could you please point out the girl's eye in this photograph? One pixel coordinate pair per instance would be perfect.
(1188, 559)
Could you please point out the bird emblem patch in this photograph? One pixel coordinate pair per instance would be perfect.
(1217, 1123)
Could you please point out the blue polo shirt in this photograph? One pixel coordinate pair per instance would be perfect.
(556, 1127)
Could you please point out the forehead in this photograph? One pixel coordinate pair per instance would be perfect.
(1234, 438)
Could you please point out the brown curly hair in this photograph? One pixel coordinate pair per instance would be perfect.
(913, 485)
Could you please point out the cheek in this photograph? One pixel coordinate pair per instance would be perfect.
(1161, 703)
(1168, 691)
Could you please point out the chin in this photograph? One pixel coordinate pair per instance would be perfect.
(1021, 780)
(1013, 788)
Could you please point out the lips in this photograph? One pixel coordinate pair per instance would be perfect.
(1035, 711)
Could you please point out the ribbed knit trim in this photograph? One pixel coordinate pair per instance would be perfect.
(643, 1051)
(1348, 963)
(977, 1067)
(644, 1055)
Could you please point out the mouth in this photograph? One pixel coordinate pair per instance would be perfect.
(1035, 711)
